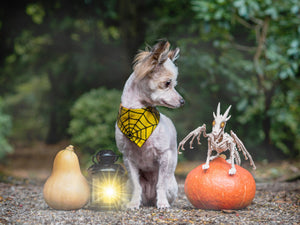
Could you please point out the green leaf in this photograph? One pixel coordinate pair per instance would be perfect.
(36, 11)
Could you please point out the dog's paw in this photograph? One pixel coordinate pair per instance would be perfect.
(163, 205)
(133, 205)
(205, 166)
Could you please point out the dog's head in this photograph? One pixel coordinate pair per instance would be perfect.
(156, 75)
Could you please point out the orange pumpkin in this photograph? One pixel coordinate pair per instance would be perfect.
(215, 189)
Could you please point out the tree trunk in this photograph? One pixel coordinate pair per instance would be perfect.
(59, 113)
(132, 16)
(272, 152)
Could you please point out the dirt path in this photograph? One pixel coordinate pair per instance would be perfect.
(21, 201)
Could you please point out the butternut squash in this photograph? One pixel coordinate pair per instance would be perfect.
(66, 188)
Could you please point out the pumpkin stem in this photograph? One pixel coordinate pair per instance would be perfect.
(222, 156)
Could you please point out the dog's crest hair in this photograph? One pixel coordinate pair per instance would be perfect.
(146, 61)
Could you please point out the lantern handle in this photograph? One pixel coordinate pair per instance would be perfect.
(93, 159)
(116, 158)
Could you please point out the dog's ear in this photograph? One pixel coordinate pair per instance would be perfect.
(174, 54)
(160, 52)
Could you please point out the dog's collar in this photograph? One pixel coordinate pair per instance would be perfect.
(138, 124)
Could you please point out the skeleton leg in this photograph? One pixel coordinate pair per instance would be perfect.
(206, 165)
(232, 171)
(237, 157)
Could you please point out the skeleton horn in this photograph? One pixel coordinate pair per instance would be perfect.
(218, 109)
(226, 113)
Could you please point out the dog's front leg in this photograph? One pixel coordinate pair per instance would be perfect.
(137, 189)
(161, 188)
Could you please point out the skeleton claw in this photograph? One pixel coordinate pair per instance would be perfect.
(194, 134)
(191, 145)
(205, 166)
(232, 171)
(180, 146)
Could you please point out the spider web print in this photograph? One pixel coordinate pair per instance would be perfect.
(138, 124)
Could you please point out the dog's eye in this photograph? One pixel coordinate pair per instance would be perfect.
(167, 84)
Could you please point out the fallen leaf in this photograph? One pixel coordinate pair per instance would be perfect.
(228, 211)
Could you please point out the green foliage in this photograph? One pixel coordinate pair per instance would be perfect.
(93, 120)
(285, 113)
(5, 127)
(36, 12)
(240, 52)
(258, 45)
(29, 110)
(71, 52)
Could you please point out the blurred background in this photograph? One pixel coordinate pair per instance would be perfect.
(63, 65)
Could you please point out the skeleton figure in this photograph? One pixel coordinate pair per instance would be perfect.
(219, 141)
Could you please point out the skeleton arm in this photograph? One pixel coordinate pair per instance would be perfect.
(195, 133)
(242, 148)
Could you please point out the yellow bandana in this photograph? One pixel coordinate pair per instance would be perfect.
(138, 124)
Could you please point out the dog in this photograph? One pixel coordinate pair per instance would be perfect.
(150, 161)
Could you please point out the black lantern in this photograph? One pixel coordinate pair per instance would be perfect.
(108, 181)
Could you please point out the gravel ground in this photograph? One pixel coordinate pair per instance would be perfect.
(274, 203)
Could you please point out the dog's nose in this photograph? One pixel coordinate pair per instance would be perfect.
(182, 102)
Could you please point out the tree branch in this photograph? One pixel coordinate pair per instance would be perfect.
(244, 22)
(243, 47)
(261, 36)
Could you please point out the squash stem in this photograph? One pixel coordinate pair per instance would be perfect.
(70, 148)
